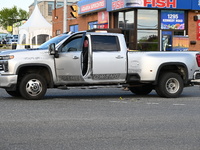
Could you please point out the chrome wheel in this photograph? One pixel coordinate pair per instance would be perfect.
(34, 87)
(169, 85)
(172, 85)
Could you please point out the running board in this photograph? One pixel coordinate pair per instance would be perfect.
(89, 87)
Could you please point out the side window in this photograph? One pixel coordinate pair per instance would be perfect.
(105, 43)
(72, 45)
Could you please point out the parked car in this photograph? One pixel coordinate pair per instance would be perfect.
(12, 41)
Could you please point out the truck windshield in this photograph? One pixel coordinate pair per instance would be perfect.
(55, 40)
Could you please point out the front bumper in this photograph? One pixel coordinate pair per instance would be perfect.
(7, 80)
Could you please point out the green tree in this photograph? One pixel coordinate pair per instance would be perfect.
(10, 16)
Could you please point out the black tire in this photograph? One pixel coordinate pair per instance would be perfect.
(33, 87)
(14, 93)
(169, 85)
(142, 90)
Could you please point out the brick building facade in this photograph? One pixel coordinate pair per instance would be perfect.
(193, 31)
(81, 21)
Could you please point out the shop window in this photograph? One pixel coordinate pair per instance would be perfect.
(74, 28)
(92, 25)
(147, 19)
(180, 32)
(121, 23)
(147, 33)
(126, 20)
(126, 23)
(129, 19)
(147, 40)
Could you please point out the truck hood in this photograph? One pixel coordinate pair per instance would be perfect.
(8, 52)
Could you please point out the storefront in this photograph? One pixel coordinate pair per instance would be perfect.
(153, 25)
(149, 25)
(97, 7)
(151, 29)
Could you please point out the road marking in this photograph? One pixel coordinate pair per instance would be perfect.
(126, 102)
(117, 102)
(85, 100)
(152, 103)
(179, 104)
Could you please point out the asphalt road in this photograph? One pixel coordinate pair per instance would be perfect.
(102, 119)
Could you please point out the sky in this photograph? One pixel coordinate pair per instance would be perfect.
(23, 4)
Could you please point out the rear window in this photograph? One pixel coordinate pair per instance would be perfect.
(105, 43)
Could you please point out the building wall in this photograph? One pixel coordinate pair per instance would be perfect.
(192, 31)
(57, 21)
(82, 20)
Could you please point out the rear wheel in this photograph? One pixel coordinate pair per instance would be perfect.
(33, 87)
(142, 90)
(170, 85)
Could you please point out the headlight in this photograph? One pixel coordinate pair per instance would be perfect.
(6, 57)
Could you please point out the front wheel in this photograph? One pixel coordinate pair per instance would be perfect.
(170, 85)
(33, 87)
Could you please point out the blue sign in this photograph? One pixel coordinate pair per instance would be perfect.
(86, 6)
(172, 19)
(162, 4)
(196, 4)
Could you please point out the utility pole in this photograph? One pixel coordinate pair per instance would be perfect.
(35, 3)
(65, 17)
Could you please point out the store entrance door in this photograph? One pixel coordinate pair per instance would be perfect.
(167, 39)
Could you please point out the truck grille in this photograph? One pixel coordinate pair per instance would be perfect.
(1, 67)
(4, 66)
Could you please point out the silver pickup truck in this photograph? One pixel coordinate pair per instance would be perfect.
(94, 60)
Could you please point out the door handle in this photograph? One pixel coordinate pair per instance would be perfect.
(75, 57)
(119, 57)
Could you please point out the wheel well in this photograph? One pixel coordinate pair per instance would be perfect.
(180, 69)
(42, 70)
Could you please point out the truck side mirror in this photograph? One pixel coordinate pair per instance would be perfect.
(52, 50)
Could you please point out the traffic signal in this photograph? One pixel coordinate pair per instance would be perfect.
(9, 28)
(74, 12)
